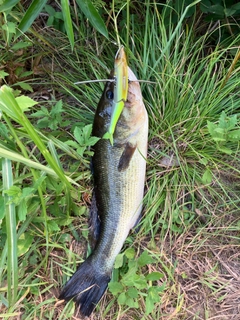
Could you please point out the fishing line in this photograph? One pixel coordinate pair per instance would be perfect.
(113, 80)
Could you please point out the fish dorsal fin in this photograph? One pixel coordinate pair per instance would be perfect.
(126, 156)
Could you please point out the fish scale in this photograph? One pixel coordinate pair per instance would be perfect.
(122, 198)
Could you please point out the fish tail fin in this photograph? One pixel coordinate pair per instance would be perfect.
(86, 287)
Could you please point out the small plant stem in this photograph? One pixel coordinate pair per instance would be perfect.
(35, 176)
(12, 260)
(235, 60)
(128, 23)
(115, 25)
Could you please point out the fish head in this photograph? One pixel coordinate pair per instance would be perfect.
(133, 116)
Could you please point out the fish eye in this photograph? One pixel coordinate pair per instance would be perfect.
(109, 94)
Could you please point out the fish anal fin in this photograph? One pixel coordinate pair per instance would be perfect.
(94, 223)
(126, 156)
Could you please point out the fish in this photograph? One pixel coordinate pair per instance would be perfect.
(119, 177)
(120, 91)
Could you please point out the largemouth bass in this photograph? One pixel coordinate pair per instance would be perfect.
(119, 177)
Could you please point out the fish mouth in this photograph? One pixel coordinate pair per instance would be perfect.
(134, 92)
(131, 76)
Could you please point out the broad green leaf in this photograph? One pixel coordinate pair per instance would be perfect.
(132, 265)
(203, 161)
(222, 120)
(229, 12)
(134, 280)
(24, 74)
(80, 150)
(149, 305)
(115, 287)
(53, 226)
(122, 298)
(39, 182)
(92, 141)
(175, 228)
(153, 276)
(207, 176)
(87, 130)
(22, 210)
(21, 45)
(145, 259)
(130, 302)
(41, 113)
(13, 191)
(10, 27)
(204, 6)
(68, 21)
(65, 221)
(31, 14)
(27, 87)
(132, 292)
(93, 16)
(50, 10)
(153, 293)
(232, 122)
(119, 261)
(152, 298)
(225, 150)
(236, 6)
(27, 191)
(211, 127)
(227, 123)
(24, 243)
(219, 139)
(216, 9)
(25, 103)
(57, 108)
(8, 4)
(220, 131)
(234, 135)
(130, 253)
(78, 134)
(71, 143)
(3, 74)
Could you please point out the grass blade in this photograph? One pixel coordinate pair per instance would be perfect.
(8, 4)
(68, 21)
(30, 15)
(30, 163)
(91, 13)
(12, 262)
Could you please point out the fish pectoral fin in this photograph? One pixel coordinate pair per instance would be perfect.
(126, 156)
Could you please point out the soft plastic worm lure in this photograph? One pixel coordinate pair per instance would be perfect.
(120, 91)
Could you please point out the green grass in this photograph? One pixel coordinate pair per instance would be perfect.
(190, 222)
